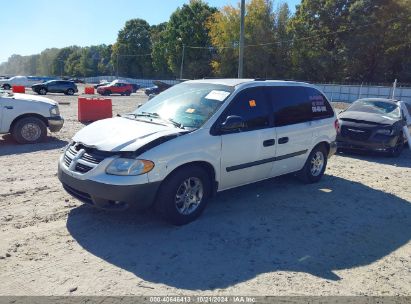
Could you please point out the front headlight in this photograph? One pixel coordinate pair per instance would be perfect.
(128, 166)
(385, 131)
(54, 111)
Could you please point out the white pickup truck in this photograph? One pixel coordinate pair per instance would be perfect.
(27, 117)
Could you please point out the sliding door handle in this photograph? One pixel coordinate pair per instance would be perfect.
(283, 140)
(269, 142)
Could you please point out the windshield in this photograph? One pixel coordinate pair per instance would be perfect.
(376, 107)
(188, 104)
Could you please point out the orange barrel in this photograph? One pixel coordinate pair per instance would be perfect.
(89, 90)
(18, 89)
(93, 109)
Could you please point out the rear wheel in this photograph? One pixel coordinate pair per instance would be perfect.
(399, 146)
(6, 86)
(315, 165)
(42, 91)
(183, 195)
(128, 93)
(29, 130)
(70, 92)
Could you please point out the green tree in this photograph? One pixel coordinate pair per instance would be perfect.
(132, 50)
(187, 26)
(260, 40)
(159, 50)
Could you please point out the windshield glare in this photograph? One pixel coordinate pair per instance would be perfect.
(376, 107)
(189, 104)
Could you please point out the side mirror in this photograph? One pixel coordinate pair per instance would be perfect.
(139, 105)
(232, 123)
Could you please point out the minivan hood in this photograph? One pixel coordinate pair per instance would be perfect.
(34, 98)
(370, 117)
(122, 134)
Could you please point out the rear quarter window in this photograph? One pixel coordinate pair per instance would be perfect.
(320, 107)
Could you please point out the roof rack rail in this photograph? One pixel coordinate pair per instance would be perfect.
(260, 79)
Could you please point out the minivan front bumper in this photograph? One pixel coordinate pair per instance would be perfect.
(106, 196)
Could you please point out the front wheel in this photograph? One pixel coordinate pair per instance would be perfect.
(70, 92)
(29, 130)
(42, 91)
(6, 86)
(315, 165)
(183, 195)
(128, 93)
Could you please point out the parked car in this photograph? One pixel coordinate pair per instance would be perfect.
(372, 124)
(102, 83)
(27, 117)
(197, 138)
(157, 89)
(25, 81)
(116, 87)
(55, 86)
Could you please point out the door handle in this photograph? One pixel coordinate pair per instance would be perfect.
(9, 107)
(283, 140)
(269, 142)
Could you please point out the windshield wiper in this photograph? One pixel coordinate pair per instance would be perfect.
(156, 115)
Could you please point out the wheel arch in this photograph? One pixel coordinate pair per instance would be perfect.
(26, 115)
(208, 167)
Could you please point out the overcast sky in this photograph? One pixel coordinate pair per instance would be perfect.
(28, 26)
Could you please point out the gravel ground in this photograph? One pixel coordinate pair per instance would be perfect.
(347, 235)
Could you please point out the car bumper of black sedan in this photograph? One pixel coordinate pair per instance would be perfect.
(378, 143)
(55, 123)
(110, 197)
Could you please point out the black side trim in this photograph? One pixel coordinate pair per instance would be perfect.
(264, 161)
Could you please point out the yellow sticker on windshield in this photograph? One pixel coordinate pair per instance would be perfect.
(190, 110)
(252, 103)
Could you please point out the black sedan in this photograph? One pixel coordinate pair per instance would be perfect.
(55, 86)
(372, 124)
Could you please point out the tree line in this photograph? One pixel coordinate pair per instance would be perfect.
(324, 40)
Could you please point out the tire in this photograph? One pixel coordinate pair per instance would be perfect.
(6, 86)
(176, 203)
(128, 93)
(70, 92)
(29, 130)
(107, 93)
(42, 91)
(399, 147)
(315, 165)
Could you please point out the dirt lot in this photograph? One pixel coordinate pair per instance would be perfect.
(347, 235)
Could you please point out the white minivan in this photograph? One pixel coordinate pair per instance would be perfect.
(198, 138)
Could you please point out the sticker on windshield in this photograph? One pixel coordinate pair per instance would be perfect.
(252, 103)
(217, 95)
(190, 110)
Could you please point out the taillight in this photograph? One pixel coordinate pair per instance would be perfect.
(337, 126)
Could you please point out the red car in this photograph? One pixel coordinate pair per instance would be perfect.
(116, 87)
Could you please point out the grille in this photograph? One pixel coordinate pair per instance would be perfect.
(89, 160)
(355, 133)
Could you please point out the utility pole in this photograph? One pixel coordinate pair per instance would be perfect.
(394, 86)
(241, 51)
(117, 66)
(182, 61)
